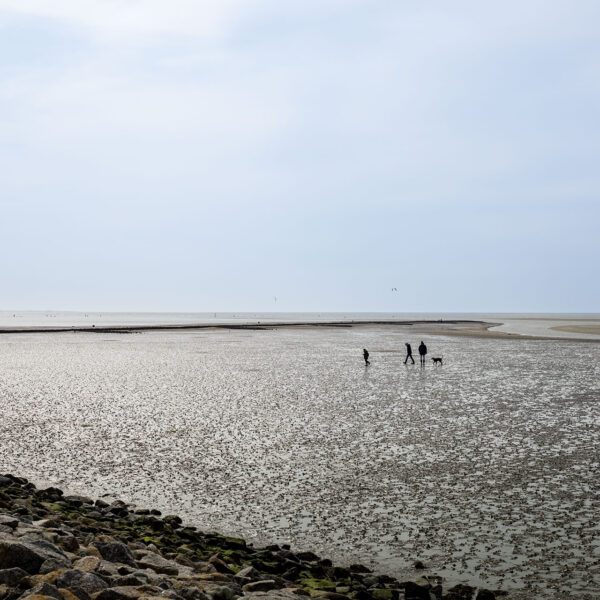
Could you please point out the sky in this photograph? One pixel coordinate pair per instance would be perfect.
(213, 155)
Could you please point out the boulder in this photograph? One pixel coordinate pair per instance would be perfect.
(9, 521)
(119, 593)
(11, 577)
(358, 568)
(247, 573)
(263, 585)
(115, 552)
(87, 563)
(29, 556)
(43, 589)
(413, 591)
(89, 582)
(220, 592)
(219, 565)
(151, 560)
(460, 592)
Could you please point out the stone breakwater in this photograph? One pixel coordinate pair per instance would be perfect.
(57, 547)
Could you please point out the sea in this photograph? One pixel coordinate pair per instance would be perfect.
(486, 468)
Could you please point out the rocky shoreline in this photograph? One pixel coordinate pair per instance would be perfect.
(58, 547)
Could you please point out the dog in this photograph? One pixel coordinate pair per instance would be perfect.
(437, 361)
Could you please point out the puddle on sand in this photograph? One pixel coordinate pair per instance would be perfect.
(486, 468)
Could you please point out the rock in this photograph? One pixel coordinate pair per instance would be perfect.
(9, 593)
(460, 592)
(150, 560)
(358, 568)
(385, 594)
(247, 573)
(419, 565)
(264, 585)
(436, 591)
(78, 501)
(329, 595)
(87, 563)
(50, 493)
(192, 593)
(115, 552)
(28, 556)
(11, 577)
(119, 593)
(213, 577)
(413, 591)
(71, 595)
(221, 592)
(89, 582)
(68, 543)
(47, 523)
(126, 580)
(485, 595)
(43, 589)
(220, 565)
(52, 564)
(307, 556)
(9, 521)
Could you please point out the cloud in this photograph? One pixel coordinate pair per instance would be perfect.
(302, 135)
(120, 19)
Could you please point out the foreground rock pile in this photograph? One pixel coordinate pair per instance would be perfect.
(57, 547)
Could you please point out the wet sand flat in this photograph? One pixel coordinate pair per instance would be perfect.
(595, 329)
(486, 469)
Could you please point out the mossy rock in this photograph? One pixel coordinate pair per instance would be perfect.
(385, 594)
(235, 543)
(318, 584)
(151, 540)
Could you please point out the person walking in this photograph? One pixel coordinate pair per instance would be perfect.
(409, 353)
(366, 357)
(422, 352)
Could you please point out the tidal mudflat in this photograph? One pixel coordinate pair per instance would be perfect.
(486, 469)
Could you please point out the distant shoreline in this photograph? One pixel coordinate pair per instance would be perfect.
(454, 327)
(258, 325)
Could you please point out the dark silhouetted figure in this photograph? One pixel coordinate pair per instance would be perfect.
(408, 354)
(366, 357)
(422, 352)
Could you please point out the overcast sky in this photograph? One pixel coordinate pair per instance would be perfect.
(210, 155)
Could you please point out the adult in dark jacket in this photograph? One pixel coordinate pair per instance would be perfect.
(366, 357)
(408, 353)
(422, 352)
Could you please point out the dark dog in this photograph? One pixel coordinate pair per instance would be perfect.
(437, 361)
